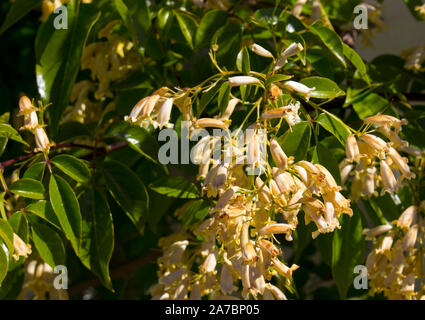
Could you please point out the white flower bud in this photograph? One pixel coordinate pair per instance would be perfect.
(242, 80)
(292, 50)
(257, 49)
(298, 87)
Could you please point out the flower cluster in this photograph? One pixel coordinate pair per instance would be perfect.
(395, 264)
(109, 59)
(29, 112)
(258, 197)
(374, 162)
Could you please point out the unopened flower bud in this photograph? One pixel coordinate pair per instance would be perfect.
(292, 50)
(242, 80)
(257, 49)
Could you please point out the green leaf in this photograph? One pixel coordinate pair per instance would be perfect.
(72, 166)
(98, 235)
(19, 224)
(28, 188)
(128, 191)
(210, 22)
(58, 56)
(67, 210)
(44, 210)
(296, 142)
(242, 61)
(277, 78)
(357, 61)
(48, 243)
(325, 157)
(320, 62)
(18, 10)
(330, 39)
(6, 234)
(369, 105)
(188, 26)
(324, 88)
(36, 171)
(196, 212)
(223, 97)
(7, 131)
(138, 138)
(3, 264)
(334, 125)
(175, 187)
(206, 98)
(347, 251)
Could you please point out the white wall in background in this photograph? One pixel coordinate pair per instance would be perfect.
(403, 32)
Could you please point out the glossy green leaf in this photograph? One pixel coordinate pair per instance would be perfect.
(357, 61)
(196, 212)
(242, 61)
(48, 243)
(35, 171)
(7, 131)
(370, 105)
(330, 39)
(67, 209)
(210, 22)
(72, 166)
(18, 10)
(296, 142)
(277, 78)
(206, 98)
(335, 126)
(3, 264)
(6, 234)
(44, 210)
(347, 251)
(128, 191)
(28, 188)
(223, 97)
(98, 235)
(188, 26)
(324, 88)
(137, 137)
(176, 187)
(19, 224)
(58, 56)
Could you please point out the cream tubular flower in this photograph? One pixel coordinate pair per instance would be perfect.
(409, 239)
(388, 179)
(292, 50)
(276, 228)
(278, 154)
(298, 87)
(137, 109)
(164, 114)
(407, 218)
(374, 142)
(401, 163)
(229, 109)
(351, 148)
(41, 140)
(21, 248)
(211, 123)
(377, 231)
(257, 49)
(243, 80)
